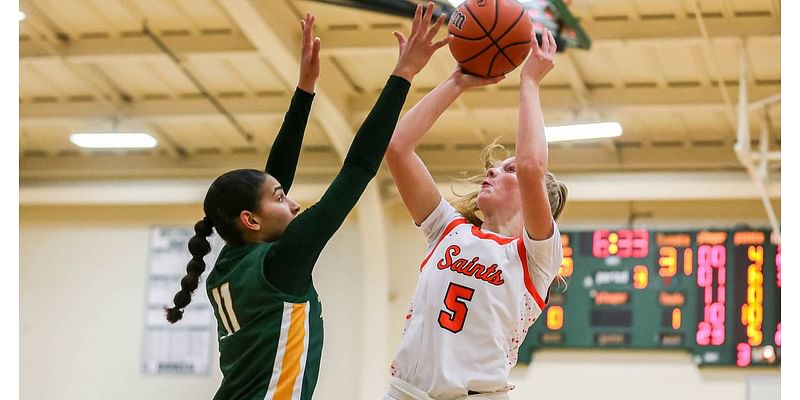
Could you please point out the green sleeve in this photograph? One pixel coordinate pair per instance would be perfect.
(285, 151)
(289, 263)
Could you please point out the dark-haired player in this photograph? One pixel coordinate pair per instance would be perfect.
(261, 289)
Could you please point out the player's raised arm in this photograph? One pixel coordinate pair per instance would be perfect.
(306, 235)
(285, 151)
(414, 182)
(531, 150)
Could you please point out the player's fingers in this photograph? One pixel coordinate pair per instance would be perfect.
(317, 45)
(306, 43)
(553, 44)
(426, 16)
(436, 26)
(534, 41)
(401, 39)
(438, 45)
(311, 21)
(401, 42)
(417, 19)
(546, 41)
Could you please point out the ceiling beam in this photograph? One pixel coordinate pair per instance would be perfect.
(679, 27)
(443, 162)
(586, 187)
(138, 48)
(134, 192)
(199, 110)
(120, 164)
(602, 99)
(193, 110)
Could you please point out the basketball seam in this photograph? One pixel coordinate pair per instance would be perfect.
(494, 25)
(506, 32)
(467, 38)
(476, 54)
(491, 64)
(488, 33)
(515, 44)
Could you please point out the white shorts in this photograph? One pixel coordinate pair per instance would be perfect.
(402, 390)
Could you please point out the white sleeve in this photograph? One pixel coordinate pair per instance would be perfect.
(434, 224)
(544, 259)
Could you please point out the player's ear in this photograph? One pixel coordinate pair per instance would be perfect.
(249, 220)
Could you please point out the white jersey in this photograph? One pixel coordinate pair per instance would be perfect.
(477, 294)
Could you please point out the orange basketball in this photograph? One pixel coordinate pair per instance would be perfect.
(490, 37)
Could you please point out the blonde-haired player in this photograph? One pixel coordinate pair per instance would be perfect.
(481, 283)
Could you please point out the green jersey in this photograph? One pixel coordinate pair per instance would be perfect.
(270, 342)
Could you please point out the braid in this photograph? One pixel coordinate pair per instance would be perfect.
(198, 247)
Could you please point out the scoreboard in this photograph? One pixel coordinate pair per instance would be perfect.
(714, 293)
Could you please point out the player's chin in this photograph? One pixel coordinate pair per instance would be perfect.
(486, 199)
(487, 191)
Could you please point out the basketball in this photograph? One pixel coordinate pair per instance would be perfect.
(489, 37)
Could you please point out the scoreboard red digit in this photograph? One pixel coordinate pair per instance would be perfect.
(712, 281)
(624, 243)
(714, 293)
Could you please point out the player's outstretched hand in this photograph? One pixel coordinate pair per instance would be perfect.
(309, 55)
(417, 49)
(540, 62)
(466, 81)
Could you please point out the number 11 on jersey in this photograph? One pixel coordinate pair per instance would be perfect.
(455, 302)
(222, 296)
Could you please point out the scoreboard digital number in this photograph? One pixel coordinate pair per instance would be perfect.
(715, 294)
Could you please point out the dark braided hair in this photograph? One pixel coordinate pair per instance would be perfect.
(229, 195)
(198, 247)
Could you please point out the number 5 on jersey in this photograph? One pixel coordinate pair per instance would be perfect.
(455, 300)
(222, 296)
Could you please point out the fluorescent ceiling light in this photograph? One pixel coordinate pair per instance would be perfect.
(21, 15)
(597, 130)
(113, 140)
